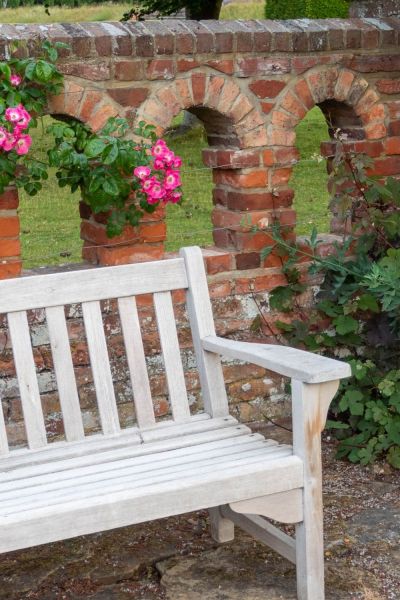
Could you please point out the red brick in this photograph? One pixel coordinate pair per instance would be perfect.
(267, 88)
(248, 260)
(284, 119)
(198, 87)
(227, 104)
(388, 86)
(376, 113)
(292, 104)
(96, 234)
(252, 241)
(392, 145)
(214, 90)
(183, 92)
(266, 107)
(10, 269)
(284, 156)
(253, 179)
(375, 131)
(186, 64)
(219, 289)
(250, 200)
(390, 165)
(102, 114)
(394, 127)
(240, 221)
(218, 263)
(129, 254)
(225, 66)
(255, 137)
(9, 248)
(160, 68)
(178, 296)
(215, 157)
(373, 63)
(343, 85)
(277, 136)
(268, 158)
(281, 176)
(9, 226)
(9, 199)
(73, 97)
(128, 70)
(153, 232)
(89, 103)
(303, 92)
(132, 97)
(219, 196)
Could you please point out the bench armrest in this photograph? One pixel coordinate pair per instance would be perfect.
(290, 362)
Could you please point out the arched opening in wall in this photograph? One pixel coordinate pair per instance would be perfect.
(50, 221)
(309, 179)
(312, 199)
(190, 223)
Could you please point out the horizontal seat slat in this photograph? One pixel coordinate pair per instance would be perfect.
(141, 477)
(86, 285)
(123, 451)
(129, 464)
(130, 506)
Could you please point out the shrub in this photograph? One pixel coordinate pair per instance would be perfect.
(356, 317)
(311, 9)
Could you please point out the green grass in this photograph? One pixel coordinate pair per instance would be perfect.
(105, 11)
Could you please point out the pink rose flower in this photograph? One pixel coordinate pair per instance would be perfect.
(14, 114)
(9, 142)
(15, 79)
(147, 184)
(169, 157)
(3, 136)
(172, 180)
(177, 162)
(23, 143)
(142, 172)
(159, 164)
(174, 197)
(159, 149)
(156, 191)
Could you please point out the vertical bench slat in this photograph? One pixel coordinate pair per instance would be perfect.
(28, 383)
(3, 434)
(172, 356)
(202, 325)
(100, 364)
(65, 374)
(136, 361)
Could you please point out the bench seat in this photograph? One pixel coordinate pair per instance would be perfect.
(79, 495)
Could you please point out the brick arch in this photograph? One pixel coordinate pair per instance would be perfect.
(208, 96)
(88, 105)
(348, 103)
(317, 87)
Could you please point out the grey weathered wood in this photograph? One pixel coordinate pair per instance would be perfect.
(202, 325)
(172, 356)
(222, 529)
(65, 375)
(100, 364)
(286, 507)
(87, 285)
(136, 361)
(290, 362)
(134, 505)
(27, 380)
(309, 408)
(3, 433)
(265, 532)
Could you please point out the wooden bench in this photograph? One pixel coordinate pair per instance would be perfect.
(52, 491)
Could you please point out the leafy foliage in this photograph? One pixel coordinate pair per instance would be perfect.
(195, 9)
(357, 315)
(311, 9)
(38, 77)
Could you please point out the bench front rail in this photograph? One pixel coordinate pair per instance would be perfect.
(88, 483)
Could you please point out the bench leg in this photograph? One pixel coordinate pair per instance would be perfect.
(309, 408)
(222, 529)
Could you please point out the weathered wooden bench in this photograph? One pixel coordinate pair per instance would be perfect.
(52, 491)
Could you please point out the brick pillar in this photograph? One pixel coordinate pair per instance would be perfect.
(242, 203)
(135, 244)
(10, 247)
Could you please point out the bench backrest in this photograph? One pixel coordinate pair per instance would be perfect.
(88, 287)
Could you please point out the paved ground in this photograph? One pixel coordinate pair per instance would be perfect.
(175, 559)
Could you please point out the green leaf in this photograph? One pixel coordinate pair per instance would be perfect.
(110, 186)
(44, 71)
(336, 425)
(393, 457)
(345, 324)
(281, 298)
(352, 400)
(94, 148)
(368, 302)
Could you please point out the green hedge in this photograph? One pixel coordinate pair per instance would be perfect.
(311, 9)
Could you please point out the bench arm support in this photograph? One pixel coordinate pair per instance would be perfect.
(289, 362)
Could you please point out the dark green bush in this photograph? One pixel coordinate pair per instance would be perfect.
(311, 9)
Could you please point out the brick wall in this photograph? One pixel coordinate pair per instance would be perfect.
(250, 83)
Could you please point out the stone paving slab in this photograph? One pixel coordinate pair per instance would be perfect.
(176, 559)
